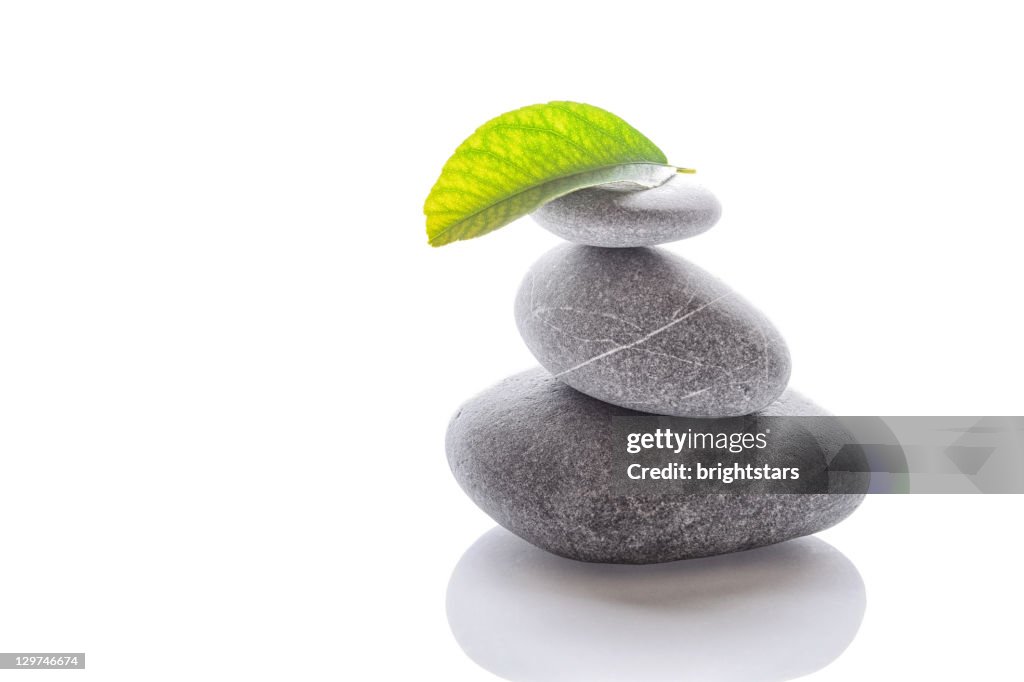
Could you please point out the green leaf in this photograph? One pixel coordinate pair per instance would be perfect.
(515, 163)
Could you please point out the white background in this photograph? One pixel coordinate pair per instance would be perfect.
(228, 357)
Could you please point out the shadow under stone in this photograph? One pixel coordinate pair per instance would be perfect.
(773, 613)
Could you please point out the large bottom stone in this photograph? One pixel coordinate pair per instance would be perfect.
(537, 456)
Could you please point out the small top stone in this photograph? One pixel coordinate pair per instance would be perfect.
(599, 216)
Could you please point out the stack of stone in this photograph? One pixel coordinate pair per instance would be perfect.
(623, 329)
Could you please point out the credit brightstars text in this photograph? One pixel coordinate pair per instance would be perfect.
(667, 440)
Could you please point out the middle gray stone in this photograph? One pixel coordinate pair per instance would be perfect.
(645, 329)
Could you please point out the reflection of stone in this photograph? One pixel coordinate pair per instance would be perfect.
(774, 613)
(647, 330)
(539, 458)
